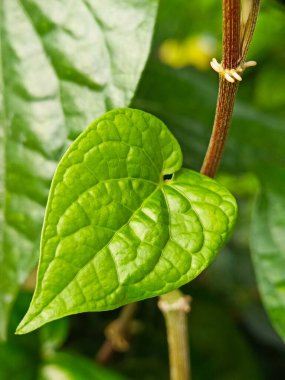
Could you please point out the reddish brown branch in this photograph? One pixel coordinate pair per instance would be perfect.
(236, 40)
(225, 106)
(231, 33)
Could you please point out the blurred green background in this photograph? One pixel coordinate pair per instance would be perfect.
(231, 337)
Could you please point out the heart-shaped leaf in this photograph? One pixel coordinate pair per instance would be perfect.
(124, 222)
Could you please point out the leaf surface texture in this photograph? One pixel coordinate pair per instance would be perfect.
(116, 230)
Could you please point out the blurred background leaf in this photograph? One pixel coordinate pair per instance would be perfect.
(268, 245)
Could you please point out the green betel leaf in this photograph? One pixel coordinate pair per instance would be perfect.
(124, 222)
(61, 63)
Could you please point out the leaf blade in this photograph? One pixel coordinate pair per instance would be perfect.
(138, 211)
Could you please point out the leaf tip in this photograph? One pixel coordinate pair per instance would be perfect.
(23, 327)
(28, 324)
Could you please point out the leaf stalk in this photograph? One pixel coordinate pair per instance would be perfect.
(175, 308)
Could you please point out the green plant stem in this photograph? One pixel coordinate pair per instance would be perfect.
(175, 308)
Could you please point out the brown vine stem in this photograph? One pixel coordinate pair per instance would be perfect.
(231, 33)
(224, 110)
(227, 91)
(238, 28)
